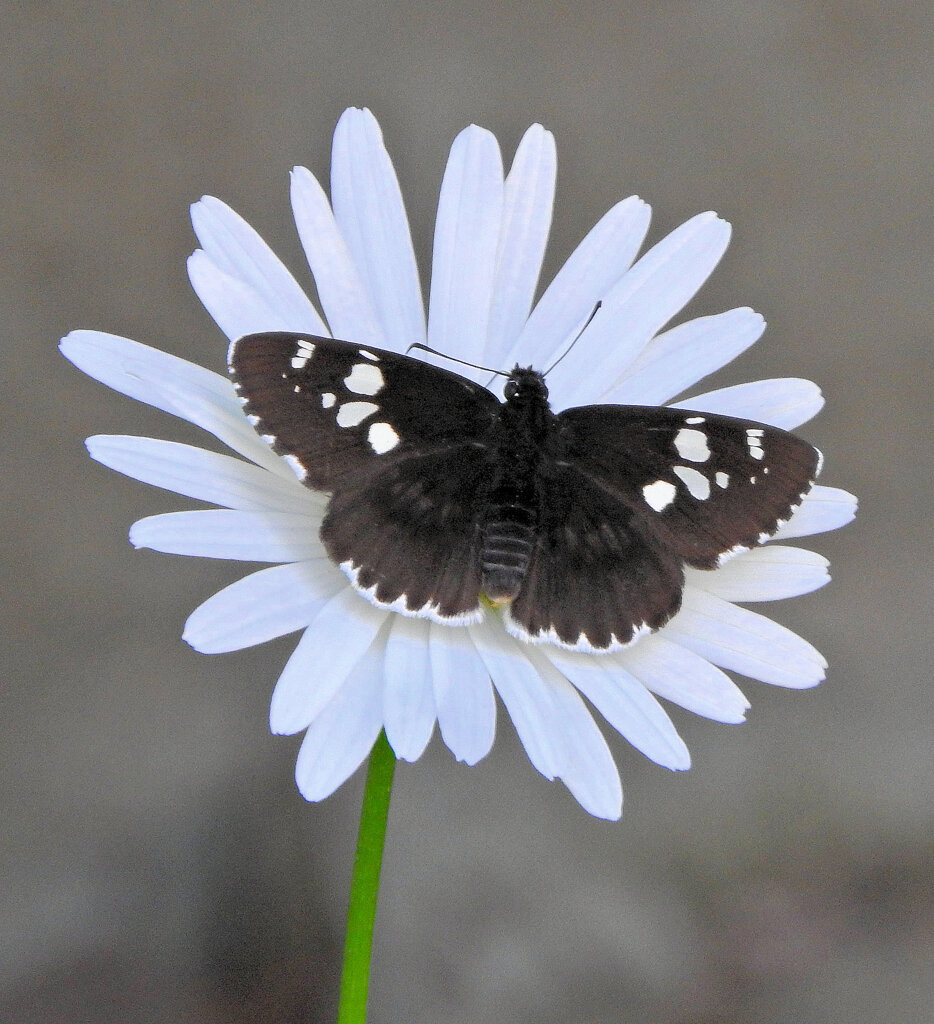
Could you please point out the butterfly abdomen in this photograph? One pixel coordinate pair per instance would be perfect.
(508, 537)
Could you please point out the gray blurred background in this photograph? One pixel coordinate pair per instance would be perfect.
(157, 863)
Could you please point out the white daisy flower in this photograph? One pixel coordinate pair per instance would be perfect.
(359, 668)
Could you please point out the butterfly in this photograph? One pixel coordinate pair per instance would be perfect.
(445, 500)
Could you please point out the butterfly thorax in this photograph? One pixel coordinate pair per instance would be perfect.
(524, 430)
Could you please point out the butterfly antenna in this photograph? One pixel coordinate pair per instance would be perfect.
(577, 338)
(454, 359)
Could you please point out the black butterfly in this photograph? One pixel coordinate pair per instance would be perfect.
(580, 522)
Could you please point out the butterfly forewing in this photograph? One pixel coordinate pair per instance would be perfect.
(335, 409)
(709, 486)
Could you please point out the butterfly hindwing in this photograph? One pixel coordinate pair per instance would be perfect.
(336, 409)
(407, 535)
(598, 578)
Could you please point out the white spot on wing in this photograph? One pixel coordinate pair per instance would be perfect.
(352, 414)
(692, 445)
(364, 379)
(382, 438)
(659, 495)
(304, 351)
(722, 479)
(754, 441)
(328, 399)
(367, 354)
(694, 420)
(696, 482)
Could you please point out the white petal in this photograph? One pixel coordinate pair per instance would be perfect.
(743, 641)
(824, 508)
(684, 678)
(588, 768)
(466, 239)
(196, 473)
(408, 700)
(784, 402)
(344, 732)
(238, 308)
(770, 573)
(525, 695)
(557, 731)
(626, 704)
(221, 533)
(601, 259)
(173, 385)
(343, 294)
(131, 368)
(239, 253)
(228, 425)
(330, 648)
(262, 606)
(646, 298)
(463, 694)
(682, 356)
(528, 200)
(369, 209)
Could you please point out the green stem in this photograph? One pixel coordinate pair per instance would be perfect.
(364, 887)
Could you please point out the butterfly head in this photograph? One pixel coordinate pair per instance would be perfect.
(525, 386)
